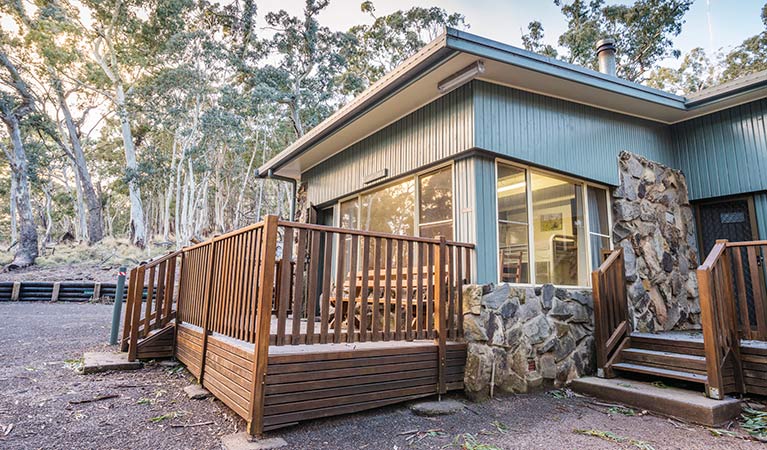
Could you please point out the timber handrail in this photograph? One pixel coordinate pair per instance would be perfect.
(284, 283)
(157, 311)
(611, 319)
(719, 318)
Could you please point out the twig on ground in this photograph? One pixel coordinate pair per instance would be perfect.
(8, 430)
(95, 399)
(189, 425)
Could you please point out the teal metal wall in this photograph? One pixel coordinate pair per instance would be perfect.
(565, 136)
(724, 153)
(433, 133)
(760, 207)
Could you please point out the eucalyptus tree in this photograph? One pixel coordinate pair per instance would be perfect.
(379, 47)
(17, 101)
(52, 34)
(127, 36)
(643, 30)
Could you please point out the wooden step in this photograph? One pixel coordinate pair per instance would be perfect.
(665, 360)
(668, 342)
(659, 372)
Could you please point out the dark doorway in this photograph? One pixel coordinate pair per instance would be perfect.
(734, 220)
(731, 219)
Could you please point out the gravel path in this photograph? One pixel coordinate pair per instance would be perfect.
(39, 341)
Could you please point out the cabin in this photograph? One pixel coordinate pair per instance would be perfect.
(483, 217)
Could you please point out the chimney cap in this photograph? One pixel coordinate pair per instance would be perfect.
(605, 44)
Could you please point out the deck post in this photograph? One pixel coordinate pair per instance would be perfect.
(708, 318)
(206, 305)
(263, 323)
(439, 312)
(138, 293)
(128, 310)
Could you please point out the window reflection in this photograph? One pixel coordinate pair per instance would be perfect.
(513, 225)
(436, 204)
(558, 231)
(390, 210)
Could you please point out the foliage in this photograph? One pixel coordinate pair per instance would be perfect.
(643, 32)
(755, 422)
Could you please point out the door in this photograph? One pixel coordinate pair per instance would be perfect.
(731, 219)
(734, 220)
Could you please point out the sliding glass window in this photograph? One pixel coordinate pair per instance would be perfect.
(551, 229)
(420, 205)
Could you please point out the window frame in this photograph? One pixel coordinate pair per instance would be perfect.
(583, 185)
(416, 177)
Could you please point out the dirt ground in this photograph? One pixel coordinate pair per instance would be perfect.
(40, 343)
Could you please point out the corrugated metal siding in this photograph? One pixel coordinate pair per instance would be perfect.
(569, 137)
(760, 206)
(487, 228)
(724, 153)
(433, 133)
(475, 213)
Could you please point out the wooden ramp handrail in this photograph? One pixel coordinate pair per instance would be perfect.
(611, 319)
(158, 278)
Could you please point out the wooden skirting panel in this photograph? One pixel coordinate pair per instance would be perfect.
(159, 344)
(189, 348)
(306, 382)
(754, 361)
(310, 385)
(229, 374)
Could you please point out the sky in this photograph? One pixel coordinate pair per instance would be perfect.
(711, 24)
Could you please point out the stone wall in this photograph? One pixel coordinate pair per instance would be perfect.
(302, 203)
(523, 338)
(653, 223)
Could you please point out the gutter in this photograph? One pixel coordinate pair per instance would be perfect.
(271, 176)
(724, 95)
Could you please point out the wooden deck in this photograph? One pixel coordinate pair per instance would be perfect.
(283, 343)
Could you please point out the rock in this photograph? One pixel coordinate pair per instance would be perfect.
(667, 263)
(560, 310)
(537, 330)
(626, 210)
(496, 298)
(565, 346)
(196, 392)
(436, 408)
(530, 309)
(620, 231)
(578, 313)
(547, 294)
(634, 167)
(494, 330)
(472, 298)
(548, 367)
(510, 308)
(583, 297)
(474, 328)
(170, 363)
(244, 441)
(476, 377)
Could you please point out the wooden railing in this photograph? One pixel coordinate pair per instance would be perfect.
(612, 327)
(719, 317)
(154, 282)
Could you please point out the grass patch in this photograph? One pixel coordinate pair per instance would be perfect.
(612, 437)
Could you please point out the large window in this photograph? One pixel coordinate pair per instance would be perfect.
(420, 205)
(550, 229)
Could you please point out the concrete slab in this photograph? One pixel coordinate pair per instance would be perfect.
(94, 362)
(691, 406)
(244, 441)
(436, 408)
(196, 392)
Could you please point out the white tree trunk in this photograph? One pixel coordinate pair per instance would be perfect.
(137, 225)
